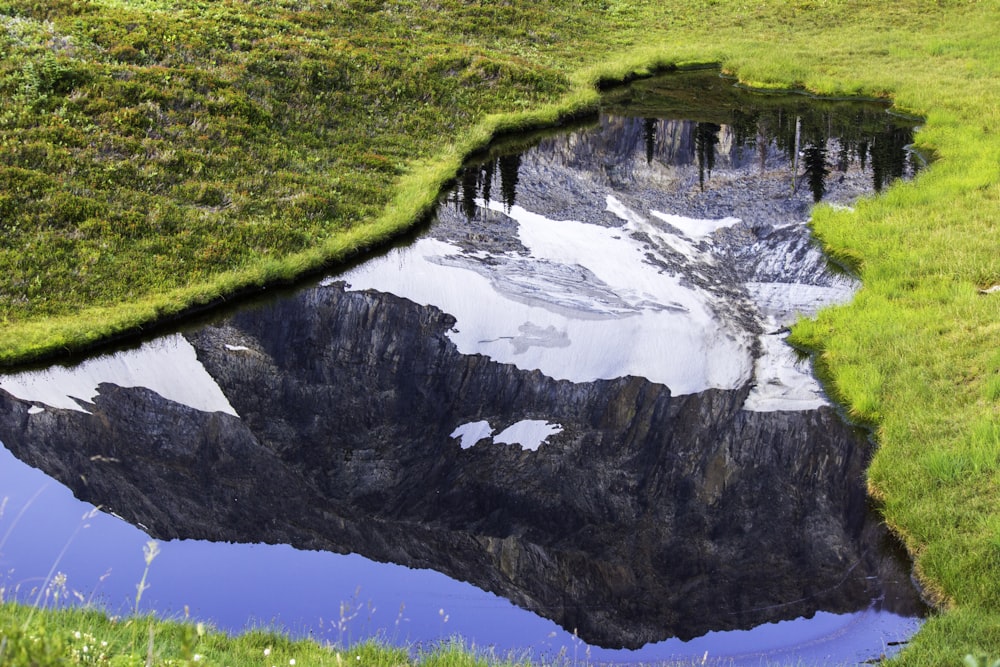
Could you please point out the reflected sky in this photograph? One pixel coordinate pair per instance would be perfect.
(344, 598)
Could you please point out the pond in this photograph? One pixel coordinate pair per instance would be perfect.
(561, 418)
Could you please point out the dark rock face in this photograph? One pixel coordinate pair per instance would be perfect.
(647, 516)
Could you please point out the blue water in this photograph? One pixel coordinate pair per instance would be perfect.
(45, 531)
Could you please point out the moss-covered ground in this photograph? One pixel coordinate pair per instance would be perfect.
(157, 155)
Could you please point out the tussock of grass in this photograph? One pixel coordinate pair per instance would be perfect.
(78, 636)
(89, 637)
(158, 155)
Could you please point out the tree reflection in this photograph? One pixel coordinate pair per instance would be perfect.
(476, 182)
(889, 156)
(814, 162)
(649, 133)
(706, 138)
(812, 137)
(509, 166)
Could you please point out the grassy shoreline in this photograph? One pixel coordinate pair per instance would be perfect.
(85, 636)
(128, 197)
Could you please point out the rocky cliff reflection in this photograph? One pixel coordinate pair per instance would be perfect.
(645, 516)
(630, 483)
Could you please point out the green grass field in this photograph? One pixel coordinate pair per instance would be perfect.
(158, 155)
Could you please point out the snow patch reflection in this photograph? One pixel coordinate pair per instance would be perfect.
(582, 305)
(471, 433)
(529, 434)
(168, 366)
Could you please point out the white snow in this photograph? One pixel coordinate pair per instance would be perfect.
(168, 366)
(472, 432)
(783, 380)
(585, 305)
(695, 228)
(785, 302)
(634, 222)
(529, 433)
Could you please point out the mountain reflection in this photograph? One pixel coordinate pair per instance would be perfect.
(646, 516)
(801, 136)
(678, 475)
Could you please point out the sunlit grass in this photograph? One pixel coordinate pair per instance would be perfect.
(79, 636)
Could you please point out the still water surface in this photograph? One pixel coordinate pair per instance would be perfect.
(562, 419)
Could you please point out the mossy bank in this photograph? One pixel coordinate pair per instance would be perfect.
(158, 155)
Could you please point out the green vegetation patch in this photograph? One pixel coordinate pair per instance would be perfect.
(73, 636)
(147, 147)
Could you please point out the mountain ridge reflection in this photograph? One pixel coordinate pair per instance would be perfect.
(635, 507)
(662, 515)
